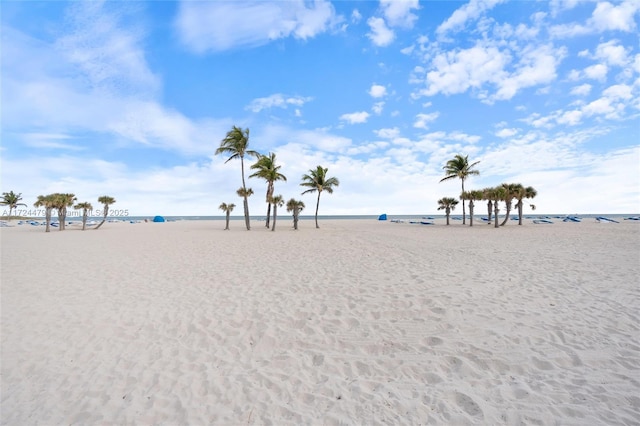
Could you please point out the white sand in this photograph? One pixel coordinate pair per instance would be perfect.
(359, 322)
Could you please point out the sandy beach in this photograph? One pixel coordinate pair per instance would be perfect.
(358, 322)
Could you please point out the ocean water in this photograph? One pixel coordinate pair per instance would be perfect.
(406, 217)
(364, 217)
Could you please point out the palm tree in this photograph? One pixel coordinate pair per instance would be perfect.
(267, 170)
(106, 202)
(459, 167)
(276, 201)
(12, 200)
(447, 204)
(227, 208)
(61, 202)
(511, 192)
(472, 196)
(296, 207)
(86, 207)
(528, 192)
(317, 180)
(236, 143)
(47, 202)
(245, 193)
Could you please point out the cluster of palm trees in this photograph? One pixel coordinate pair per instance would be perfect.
(60, 202)
(459, 167)
(236, 145)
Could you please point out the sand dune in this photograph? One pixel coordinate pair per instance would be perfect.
(359, 322)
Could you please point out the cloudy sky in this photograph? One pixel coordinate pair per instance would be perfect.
(131, 99)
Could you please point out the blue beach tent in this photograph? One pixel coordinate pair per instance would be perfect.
(382, 216)
(158, 219)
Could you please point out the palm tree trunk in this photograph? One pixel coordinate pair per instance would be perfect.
(295, 218)
(60, 220)
(519, 206)
(506, 217)
(269, 214)
(84, 221)
(269, 195)
(470, 212)
(227, 223)
(47, 218)
(317, 205)
(496, 210)
(246, 213)
(464, 215)
(489, 207)
(104, 219)
(275, 209)
(246, 202)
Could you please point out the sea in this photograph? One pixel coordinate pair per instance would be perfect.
(362, 217)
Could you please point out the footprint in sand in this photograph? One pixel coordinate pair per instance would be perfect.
(468, 405)
(434, 341)
(542, 365)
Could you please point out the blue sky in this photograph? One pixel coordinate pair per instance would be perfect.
(131, 99)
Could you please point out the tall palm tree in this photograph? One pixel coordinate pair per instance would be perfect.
(447, 204)
(12, 200)
(266, 169)
(528, 192)
(459, 168)
(227, 208)
(106, 201)
(277, 201)
(61, 202)
(236, 144)
(86, 207)
(47, 202)
(317, 180)
(511, 192)
(245, 193)
(296, 207)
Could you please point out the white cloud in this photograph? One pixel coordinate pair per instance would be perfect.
(422, 120)
(276, 100)
(582, 90)
(377, 91)
(612, 53)
(619, 91)
(615, 17)
(398, 12)
(558, 6)
(389, 133)
(536, 66)
(69, 86)
(377, 108)
(605, 17)
(355, 117)
(104, 52)
(355, 16)
(596, 72)
(506, 133)
(570, 118)
(470, 11)
(380, 34)
(457, 71)
(218, 26)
